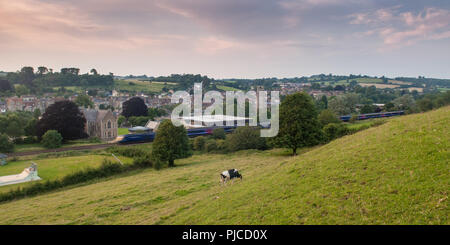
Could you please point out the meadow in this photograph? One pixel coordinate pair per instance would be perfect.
(141, 86)
(52, 168)
(38, 146)
(396, 173)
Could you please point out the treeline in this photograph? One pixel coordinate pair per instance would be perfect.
(43, 79)
(429, 82)
(185, 81)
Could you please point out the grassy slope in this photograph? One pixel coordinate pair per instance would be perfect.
(397, 173)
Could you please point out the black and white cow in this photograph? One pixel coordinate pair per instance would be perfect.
(230, 174)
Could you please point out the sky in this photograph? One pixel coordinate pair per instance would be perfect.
(229, 38)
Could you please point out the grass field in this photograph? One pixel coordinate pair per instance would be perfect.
(396, 173)
(38, 146)
(379, 85)
(226, 88)
(122, 131)
(141, 86)
(54, 168)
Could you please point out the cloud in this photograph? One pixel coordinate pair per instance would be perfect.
(405, 28)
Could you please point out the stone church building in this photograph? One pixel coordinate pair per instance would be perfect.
(101, 124)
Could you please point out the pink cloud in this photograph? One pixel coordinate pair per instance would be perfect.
(405, 28)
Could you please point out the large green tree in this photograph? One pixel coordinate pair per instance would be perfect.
(299, 126)
(64, 117)
(344, 104)
(170, 143)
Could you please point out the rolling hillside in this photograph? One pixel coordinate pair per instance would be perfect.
(397, 173)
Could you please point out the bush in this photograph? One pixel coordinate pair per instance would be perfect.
(221, 145)
(244, 138)
(5, 144)
(210, 145)
(218, 133)
(143, 161)
(52, 139)
(334, 130)
(199, 143)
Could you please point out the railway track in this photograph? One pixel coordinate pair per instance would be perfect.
(71, 148)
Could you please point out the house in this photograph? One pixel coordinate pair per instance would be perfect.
(14, 104)
(101, 124)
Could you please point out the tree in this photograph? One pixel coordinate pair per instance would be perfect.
(389, 106)
(138, 121)
(367, 109)
(344, 104)
(42, 70)
(52, 139)
(425, 104)
(405, 102)
(14, 130)
(134, 107)
(30, 128)
(27, 75)
(121, 120)
(5, 144)
(5, 85)
(22, 90)
(324, 101)
(64, 117)
(84, 100)
(299, 126)
(156, 112)
(94, 71)
(37, 113)
(327, 116)
(170, 143)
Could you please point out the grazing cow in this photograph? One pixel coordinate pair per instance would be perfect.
(230, 175)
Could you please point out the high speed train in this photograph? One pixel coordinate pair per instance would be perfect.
(346, 118)
(150, 136)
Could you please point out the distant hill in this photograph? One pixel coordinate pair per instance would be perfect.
(396, 173)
